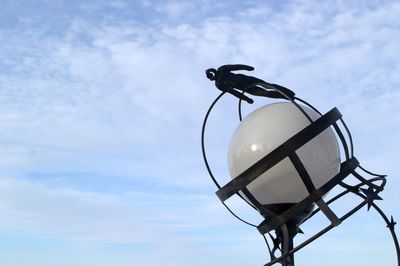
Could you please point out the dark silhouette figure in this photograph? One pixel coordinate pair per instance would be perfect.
(238, 84)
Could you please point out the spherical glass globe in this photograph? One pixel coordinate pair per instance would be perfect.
(265, 129)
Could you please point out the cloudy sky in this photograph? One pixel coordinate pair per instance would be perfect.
(101, 105)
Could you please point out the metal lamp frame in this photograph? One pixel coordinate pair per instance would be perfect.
(366, 189)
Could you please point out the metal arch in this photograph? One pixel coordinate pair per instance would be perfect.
(390, 225)
(350, 137)
(206, 160)
(203, 129)
(240, 108)
(308, 104)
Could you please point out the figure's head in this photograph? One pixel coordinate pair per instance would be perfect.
(211, 73)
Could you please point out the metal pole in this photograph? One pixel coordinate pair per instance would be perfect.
(287, 245)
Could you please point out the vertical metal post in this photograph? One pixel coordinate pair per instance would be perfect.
(287, 245)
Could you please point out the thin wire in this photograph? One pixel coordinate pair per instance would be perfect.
(350, 137)
(368, 172)
(271, 255)
(240, 109)
(240, 219)
(308, 104)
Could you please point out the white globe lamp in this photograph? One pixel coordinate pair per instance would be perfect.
(264, 130)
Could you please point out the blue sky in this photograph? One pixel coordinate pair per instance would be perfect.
(101, 105)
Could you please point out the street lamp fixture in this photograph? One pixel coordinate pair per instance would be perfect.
(284, 158)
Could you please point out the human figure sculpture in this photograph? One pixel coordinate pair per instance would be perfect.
(238, 84)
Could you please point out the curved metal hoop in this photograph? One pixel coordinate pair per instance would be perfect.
(203, 129)
(203, 149)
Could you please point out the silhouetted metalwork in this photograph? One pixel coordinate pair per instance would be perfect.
(237, 84)
(284, 220)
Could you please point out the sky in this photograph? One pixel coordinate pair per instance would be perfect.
(101, 107)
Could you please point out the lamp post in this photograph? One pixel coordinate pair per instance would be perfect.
(284, 157)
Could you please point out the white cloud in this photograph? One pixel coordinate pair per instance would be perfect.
(72, 214)
(132, 217)
(119, 101)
